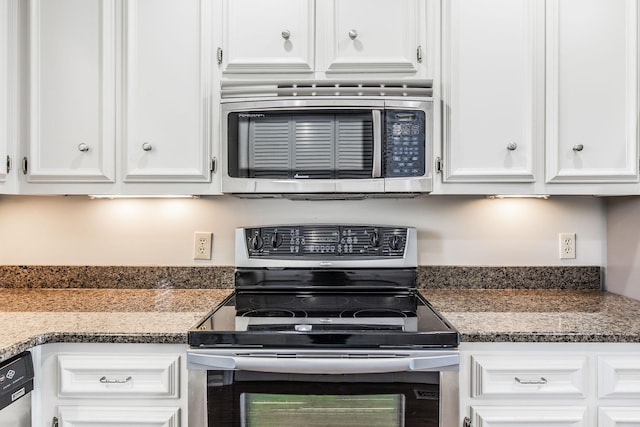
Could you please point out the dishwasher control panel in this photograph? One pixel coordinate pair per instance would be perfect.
(16, 378)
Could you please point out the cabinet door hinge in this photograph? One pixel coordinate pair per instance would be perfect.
(219, 55)
(438, 165)
(54, 422)
(466, 422)
(25, 164)
(419, 54)
(214, 165)
(8, 164)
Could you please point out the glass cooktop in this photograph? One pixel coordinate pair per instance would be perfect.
(240, 322)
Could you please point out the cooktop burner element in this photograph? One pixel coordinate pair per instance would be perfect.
(295, 289)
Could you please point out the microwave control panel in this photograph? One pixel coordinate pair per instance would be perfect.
(405, 143)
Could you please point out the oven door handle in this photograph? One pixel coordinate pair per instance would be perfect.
(324, 365)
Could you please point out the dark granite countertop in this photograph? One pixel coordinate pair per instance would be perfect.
(36, 316)
(538, 315)
(32, 317)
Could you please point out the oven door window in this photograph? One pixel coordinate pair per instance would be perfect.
(366, 410)
(250, 399)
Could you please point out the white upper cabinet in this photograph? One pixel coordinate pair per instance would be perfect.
(168, 109)
(371, 36)
(274, 36)
(325, 38)
(72, 87)
(493, 76)
(592, 91)
(8, 117)
(121, 97)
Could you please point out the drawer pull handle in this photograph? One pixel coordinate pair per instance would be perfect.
(105, 380)
(541, 381)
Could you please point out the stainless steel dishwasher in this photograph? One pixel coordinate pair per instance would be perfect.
(16, 384)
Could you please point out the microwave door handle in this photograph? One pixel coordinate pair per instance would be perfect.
(377, 143)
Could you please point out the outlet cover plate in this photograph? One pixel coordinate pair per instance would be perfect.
(567, 245)
(202, 245)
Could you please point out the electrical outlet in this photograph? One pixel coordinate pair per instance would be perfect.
(567, 245)
(202, 245)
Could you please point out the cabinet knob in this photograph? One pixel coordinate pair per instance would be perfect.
(286, 34)
(83, 147)
(578, 147)
(512, 146)
(146, 146)
(353, 34)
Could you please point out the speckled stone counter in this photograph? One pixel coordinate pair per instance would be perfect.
(36, 316)
(31, 317)
(42, 304)
(541, 315)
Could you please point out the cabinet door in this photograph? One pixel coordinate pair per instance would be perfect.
(619, 376)
(168, 108)
(72, 85)
(592, 91)
(493, 82)
(122, 416)
(4, 92)
(513, 416)
(619, 416)
(371, 36)
(274, 36)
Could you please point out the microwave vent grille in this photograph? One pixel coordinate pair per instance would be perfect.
(325, 88)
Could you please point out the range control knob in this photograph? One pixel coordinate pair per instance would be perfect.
(375, 239)
(276, 240)
(256, 243)
(395, 242)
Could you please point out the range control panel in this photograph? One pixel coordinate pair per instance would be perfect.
(328, 241)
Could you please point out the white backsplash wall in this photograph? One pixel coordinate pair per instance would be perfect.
(462, 231)
(623, 246)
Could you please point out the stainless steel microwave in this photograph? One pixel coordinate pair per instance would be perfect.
(327, 146)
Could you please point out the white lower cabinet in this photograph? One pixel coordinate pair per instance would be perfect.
(618, 417)
(557, 416)
(550, 384)
(111, 385)
(118, 416)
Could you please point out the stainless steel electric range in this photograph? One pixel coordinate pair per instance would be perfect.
(320, 312)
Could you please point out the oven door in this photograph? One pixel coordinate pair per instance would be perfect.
(251, 399)
(329, 389)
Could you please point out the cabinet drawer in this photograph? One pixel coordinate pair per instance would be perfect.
(528, 376)
(115, 376)
(619, 376)
(124, 416)
(526, 416)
